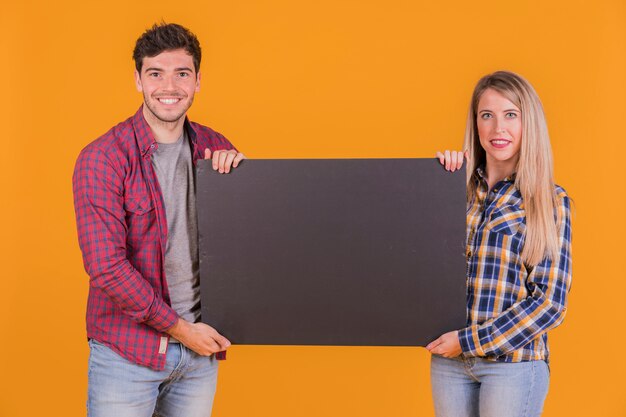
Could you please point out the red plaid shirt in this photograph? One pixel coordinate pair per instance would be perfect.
(122, 232)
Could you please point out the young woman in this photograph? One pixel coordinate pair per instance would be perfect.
(518, 259)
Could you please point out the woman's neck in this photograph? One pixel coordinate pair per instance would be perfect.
(498, 170)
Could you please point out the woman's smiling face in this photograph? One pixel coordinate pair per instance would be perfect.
(499, 123)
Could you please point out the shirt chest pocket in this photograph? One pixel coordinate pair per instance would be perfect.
(140, 218)
(138, 204)
(507, 220)
(141, 223)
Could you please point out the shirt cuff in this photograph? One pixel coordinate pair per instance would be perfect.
(470, 342)
(163, 317)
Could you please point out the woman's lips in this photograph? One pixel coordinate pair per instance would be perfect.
(500, 143)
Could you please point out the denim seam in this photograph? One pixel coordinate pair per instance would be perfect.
(182, 364)
(530, 388)
(468, 366)
(89, 372)
(175, 374)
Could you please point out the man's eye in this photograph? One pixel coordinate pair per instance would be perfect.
(153, 74)
(184, 74)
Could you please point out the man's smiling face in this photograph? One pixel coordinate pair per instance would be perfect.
(168, 82)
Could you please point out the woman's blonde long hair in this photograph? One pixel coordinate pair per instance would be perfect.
(534, 178)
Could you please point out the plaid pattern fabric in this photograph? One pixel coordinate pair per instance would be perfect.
(122, 232)
(510, 306)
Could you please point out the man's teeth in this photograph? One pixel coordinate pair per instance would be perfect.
(169, 100)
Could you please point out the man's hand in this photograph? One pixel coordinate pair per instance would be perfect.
(447, 345)
(224, 160)
(199, 337)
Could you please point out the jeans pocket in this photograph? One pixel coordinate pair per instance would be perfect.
(93, 343)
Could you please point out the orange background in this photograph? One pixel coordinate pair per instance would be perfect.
(319, 79)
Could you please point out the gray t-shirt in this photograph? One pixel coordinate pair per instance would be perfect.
(174, 169)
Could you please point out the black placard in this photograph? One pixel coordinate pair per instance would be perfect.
(332, 252)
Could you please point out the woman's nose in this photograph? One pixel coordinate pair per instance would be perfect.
(500, 126)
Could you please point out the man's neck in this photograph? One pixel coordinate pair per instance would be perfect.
(164, 132)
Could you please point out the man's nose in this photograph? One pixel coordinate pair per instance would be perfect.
(169, 83)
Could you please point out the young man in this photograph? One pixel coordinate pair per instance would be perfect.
(134, 196)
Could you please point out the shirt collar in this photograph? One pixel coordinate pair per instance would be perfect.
(145, 137)
(480, 172)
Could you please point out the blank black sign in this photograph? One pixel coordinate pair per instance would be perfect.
(332, 252)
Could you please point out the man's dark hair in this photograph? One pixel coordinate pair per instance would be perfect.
(166, 37)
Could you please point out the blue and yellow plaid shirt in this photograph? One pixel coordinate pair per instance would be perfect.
(510, 306)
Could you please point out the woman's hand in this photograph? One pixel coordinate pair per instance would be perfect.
(447, 345)
(451, 160)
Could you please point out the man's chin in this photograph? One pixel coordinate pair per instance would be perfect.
(169, 119)
(165, 117)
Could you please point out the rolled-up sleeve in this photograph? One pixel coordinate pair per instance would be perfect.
(548, 285)
(102, 230)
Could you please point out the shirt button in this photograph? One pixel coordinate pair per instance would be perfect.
(152, 146)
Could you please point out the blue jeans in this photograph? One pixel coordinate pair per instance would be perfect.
(120, 388)
(473, 387)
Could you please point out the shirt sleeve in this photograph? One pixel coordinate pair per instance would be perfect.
(210, 139)
(101, 223)
(544, 309)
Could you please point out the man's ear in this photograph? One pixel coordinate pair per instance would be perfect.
(138, 81)
(198, 76)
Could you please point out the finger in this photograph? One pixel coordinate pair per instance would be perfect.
(229, 161)
(459, 160)
(437, 350)
(216, 159)
(213, 347)
(433, 344)
(222, 341)
(222, 161)
(466, 154)
(447, 158)
(238, 159)
(207, 153)
(441, 157)
(453, 161)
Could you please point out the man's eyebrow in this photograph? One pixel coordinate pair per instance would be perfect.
(162, 70)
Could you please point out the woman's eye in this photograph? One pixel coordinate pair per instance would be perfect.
(511, 115)
(485, 116)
